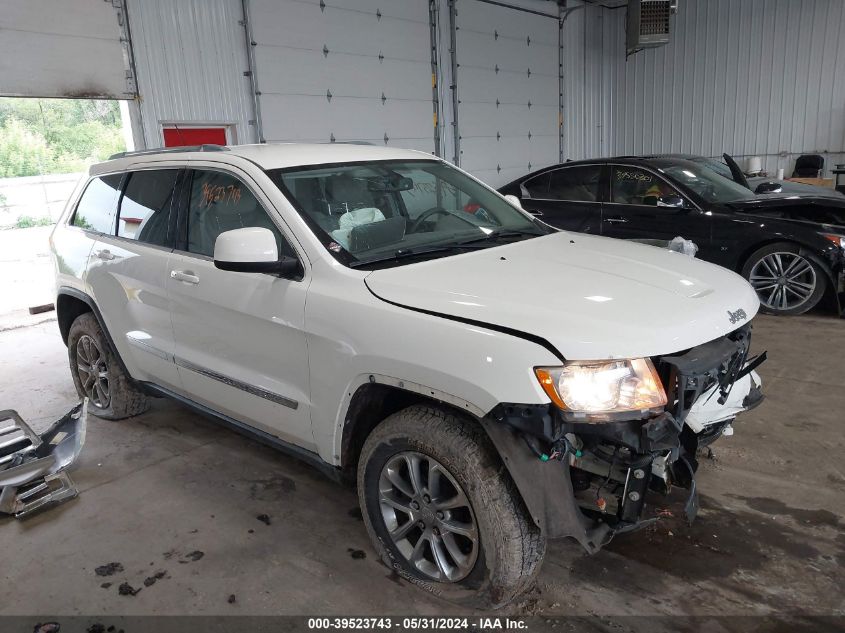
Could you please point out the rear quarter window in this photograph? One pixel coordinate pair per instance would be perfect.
(95, 210)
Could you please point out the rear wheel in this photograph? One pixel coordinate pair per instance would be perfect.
(786, 281)
(443, 512)
(97, 375)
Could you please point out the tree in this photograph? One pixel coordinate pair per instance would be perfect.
(22, 152)
(56, 135)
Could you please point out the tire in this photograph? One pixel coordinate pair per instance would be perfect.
(797, 291)
(505, 557)
(98, 375)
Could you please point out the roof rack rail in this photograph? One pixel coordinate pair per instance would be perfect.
(168, 150)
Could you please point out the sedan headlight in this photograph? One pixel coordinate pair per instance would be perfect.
(839, 240)
(593, 391)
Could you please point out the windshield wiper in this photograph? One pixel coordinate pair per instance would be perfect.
(405, 253)
(476, 243)
(501, 233)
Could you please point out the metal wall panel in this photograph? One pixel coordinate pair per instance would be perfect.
(190, 57)
(748, 77)
(585, 82)
(357, 70)
(507, 89)
(63, 49)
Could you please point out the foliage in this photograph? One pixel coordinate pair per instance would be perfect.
(48, 136)
(26, 222)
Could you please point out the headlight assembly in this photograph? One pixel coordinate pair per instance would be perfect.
(839, 240)
(593, 391)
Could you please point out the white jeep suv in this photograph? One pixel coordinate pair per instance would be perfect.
(491, 382)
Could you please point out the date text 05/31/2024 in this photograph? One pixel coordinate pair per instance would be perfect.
(419, 623)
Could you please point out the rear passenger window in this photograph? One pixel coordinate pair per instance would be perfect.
(95, 211)
(537, 187)
(146, 205)
(219, 203)
(580, 184)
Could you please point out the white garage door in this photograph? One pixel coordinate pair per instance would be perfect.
(344, 70)
(508, 90)
(63, 49)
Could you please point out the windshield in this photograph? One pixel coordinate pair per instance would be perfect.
(714, 165)
(706, 182)
(408, 210)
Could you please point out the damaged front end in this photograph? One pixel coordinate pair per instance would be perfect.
(32, 466)
(591, 480)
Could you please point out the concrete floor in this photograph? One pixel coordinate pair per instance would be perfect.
(158, 490)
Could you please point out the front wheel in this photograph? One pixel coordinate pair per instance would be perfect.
(443, 512)
(786, 281)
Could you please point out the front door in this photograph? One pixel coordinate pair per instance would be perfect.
(632, 210)
(240, 340)
(567, 198)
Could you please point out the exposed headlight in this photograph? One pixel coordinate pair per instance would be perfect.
(594, 390)
(839, 240)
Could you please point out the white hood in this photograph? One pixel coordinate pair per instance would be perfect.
(590, 297)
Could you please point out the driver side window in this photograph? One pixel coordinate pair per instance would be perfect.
(632, 185)
(220, 202)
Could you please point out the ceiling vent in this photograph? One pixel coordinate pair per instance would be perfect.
(648, 23)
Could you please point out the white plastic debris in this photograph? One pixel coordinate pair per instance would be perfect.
(681, 245)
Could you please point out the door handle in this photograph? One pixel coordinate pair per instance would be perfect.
(536, 214)
(616, 220)
(184, 275)
(105, 254)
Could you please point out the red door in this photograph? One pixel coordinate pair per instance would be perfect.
(181, 136)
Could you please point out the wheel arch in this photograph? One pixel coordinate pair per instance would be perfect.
(378, 398)
(803, 250)
(70, 304)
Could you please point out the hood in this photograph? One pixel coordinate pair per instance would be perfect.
(790, 198)
(590, 297)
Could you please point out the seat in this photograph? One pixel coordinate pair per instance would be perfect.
(222, 218)
(808, 166)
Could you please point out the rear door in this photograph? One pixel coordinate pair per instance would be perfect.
(632, 210)
(566, 197)
(240, 340)
(128, 274)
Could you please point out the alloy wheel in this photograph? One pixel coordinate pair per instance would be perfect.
(783, 280)
(428, 516)
(93, 371)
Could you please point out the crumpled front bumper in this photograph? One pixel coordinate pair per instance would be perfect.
(589, 481)
(32, 466)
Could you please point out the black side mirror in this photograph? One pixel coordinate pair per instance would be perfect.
(287, 267)
(673, 201)
(769, 187)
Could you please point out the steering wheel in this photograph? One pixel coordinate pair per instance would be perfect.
(428, 213)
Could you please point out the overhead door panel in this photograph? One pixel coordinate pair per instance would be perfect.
(359, 70)
(63, 49)
(507, 89)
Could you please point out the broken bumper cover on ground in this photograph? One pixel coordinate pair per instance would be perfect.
(32, 466)
(589, 481)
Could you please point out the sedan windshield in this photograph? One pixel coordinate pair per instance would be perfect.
(706, 182)
(401, 211)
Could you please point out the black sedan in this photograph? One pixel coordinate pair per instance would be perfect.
(790, 247)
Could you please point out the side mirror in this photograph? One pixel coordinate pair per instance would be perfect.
(514, 201)
(769, 187)
(252, 250)
(676, 202)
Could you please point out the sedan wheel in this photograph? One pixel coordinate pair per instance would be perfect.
(428, 517)
(784, 281)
